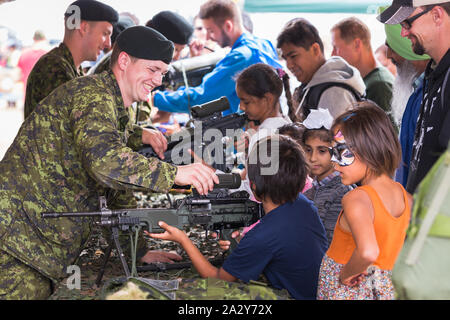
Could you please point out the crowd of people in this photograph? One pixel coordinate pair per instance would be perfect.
(353, 142)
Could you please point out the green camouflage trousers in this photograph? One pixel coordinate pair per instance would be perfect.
(189, 289)
(20, 282)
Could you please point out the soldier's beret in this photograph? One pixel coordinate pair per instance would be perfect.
(145, 43)
(173, 26)
(92, 10)
(123, 23)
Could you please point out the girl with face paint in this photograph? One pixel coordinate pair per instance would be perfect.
(371, 227)
(327, 188)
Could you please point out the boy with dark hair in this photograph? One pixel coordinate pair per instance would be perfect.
(288, 244)
(330, 84)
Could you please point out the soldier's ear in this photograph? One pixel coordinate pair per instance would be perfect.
(123, 60)
(84, 27)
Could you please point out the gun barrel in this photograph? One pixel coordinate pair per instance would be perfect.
(209, 108)
(70, 214)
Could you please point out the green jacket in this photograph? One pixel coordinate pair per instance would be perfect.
(67, 153)
(52, 70)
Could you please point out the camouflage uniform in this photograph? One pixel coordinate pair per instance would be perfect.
(191, 289)
(67, 151)
(52, 70)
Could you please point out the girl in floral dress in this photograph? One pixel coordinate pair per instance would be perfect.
(371, 227)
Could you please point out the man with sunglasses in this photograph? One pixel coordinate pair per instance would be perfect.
(427, 24)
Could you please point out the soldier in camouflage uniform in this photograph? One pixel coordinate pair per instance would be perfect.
(67, 152)
(171, 25)
(82, 43)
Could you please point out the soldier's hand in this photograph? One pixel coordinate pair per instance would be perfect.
(225, 244)
(153, 256)
(198, 175)
(156, 139)
(171, 233)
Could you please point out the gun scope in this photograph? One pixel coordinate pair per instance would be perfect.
(209, 108)
(228, 181)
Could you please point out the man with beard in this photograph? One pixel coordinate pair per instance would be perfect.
(223, 22)
(407, 91)
(428, 35)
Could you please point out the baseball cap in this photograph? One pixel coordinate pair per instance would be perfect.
(400, 10)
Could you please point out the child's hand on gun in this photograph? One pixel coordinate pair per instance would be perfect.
(171, 233)
(225, 244)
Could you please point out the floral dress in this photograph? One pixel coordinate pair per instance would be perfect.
(377, 285)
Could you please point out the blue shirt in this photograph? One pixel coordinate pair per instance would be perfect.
(287, 246)
(407, 130)
(247, 50)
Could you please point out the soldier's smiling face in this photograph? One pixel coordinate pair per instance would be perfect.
(96, 39)
(143, 76)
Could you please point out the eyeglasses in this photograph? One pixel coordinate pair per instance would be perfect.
(407, 23)
(341, 154)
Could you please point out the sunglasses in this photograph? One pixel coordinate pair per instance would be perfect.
(407, 23)
(341, 154)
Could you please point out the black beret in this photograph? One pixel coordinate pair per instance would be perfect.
(92, 10)
(145, 43)
(173, 26)
(123, 23)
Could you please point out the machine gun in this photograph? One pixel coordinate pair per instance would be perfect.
(195, 135)
(220, 210)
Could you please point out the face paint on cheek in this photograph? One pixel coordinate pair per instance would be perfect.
(339, 137)
(342, 154)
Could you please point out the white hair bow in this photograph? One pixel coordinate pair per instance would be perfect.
(318, 118)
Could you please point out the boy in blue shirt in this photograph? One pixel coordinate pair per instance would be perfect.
(289, 242)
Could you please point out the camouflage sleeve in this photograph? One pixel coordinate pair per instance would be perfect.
(135, 138)
(144, 111)
(104, 152)
(48, 74)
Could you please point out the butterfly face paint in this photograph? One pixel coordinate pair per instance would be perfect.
(342, 154)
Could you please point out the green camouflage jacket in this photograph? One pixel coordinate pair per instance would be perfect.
(189, 289)
(52, 70)
(67, 152)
